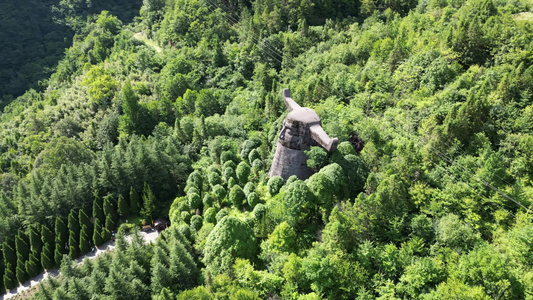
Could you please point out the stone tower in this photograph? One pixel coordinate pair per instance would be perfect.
(302, 129)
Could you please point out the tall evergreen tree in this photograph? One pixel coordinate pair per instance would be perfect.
(23, 254)
(135, 205)
(97, 234)
(73, 245)
(149, 203)
(9, 277)
(98, 213)
(9, 254)
(109, 224)
(85, 241)
(123, 208)
(47, 237)
(61, 240)
(74, 234)
(85, 221)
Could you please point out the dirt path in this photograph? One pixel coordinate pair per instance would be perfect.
(142, 37)
(149, 237)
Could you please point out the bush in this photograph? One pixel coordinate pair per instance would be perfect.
(194, 201)
(248, 188)
(254, 154)
(243, 172)
(196, 222)
(221, 214)
(274, 185)
(253, 199)
(236, 196)
(210, 215)
(185, 216)
(259, 211)
(208, 200)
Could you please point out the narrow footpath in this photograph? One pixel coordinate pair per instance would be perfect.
(149, 237)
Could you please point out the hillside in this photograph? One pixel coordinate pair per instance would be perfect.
(177, 113)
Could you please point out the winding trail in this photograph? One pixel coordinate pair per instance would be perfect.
(149, 237)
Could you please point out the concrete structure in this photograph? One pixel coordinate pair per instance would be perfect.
(302, 129)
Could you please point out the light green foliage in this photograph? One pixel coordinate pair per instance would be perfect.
(230, 239)
(261, 281)
(431, 101)
(453, 233)
(61, 151)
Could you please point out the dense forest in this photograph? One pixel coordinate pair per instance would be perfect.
(173, 108)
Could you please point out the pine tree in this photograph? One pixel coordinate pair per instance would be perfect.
(149, 203)
(9, 255)
(108, 207)
(97, 234)
(47, 237)
(58, 256)
(123, 208)
(9, 277)
(61, 240)
(85, 242)
(135, 206)
(33, 265)
(36, 244)
(74, 235)
(23, 254)
(23, 250)
(73, 245)
(98, 212)
(21, 274)
(85, 221)
(109, 224)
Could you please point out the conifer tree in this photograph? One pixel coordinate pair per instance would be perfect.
(135, 206)
(36, 244)
(23, 253)
(109, 224)
(74, 235)
(73, 245)
(47, 237)
(9, 277)
(109, 214)
(85, 242)
(9, 254)
(109, 209)
(123, 208)
(85, 221)
(98, 212)
(33, 265)
(97, 234)
(149, 202)
(60, 240)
